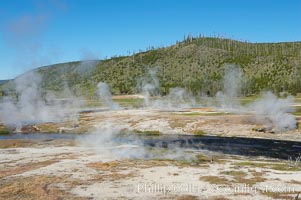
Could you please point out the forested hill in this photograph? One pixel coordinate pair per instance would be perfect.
(3, 81)
(196, 64)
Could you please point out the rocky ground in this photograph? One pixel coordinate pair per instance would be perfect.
(195, 121)
(73, 169)
(64, 169)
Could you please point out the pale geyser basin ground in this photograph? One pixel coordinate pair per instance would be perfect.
(66, 168)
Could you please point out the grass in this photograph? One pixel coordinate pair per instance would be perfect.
(37, 187)
(159, 152)
(191, 113)
(4, 132)
(240, 177)
(187, 197)
(49, 127)
(177, 123)
(274, 166)
(204, 113)
(201, 159)
(127, 132)
(297, 111)
(249, 181)
(147, 132)
(218, 180)
(93, 104)
(62, 127)
(295, 182)
(280, 195)
(199, 132)
(104, 166)
(124, 102)
(235, 173)
(125, 164)
(129, 102)
(21, 168)
(180, 161)
(247, 100)
(16, 143)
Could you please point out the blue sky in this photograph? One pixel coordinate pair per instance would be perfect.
(37, 32)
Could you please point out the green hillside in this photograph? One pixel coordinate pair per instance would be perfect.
(3, 82)
(196, 64)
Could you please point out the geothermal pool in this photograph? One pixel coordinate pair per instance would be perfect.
(231, 145)
(37, 136)
(279, 149)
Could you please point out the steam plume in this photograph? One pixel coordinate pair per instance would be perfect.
(106, 96)
(149, 86)
(31, 106)
(177, 97)
(268, 109)
(275, 112)
(232, 82)
(108, 136)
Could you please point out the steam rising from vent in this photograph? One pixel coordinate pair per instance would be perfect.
(118, 139)
(149, 86)
(106, 96)
(31, 106)
(232, 82)
(274, 112)
(269, 110)
(102, 136)
(177, 97)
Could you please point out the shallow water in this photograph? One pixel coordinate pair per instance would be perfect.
(280, 149)
(37, 136)
(227, 145)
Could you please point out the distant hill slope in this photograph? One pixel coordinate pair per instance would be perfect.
(196, 64)
(3, 81)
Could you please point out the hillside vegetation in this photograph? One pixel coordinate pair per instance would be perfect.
(3, 82)
(196, 64)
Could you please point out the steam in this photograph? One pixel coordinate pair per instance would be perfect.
(269, 110)
(32, 106)
(149, 86)
(102, 136)
(274, 112)
(232, 81)
(106, 96)
(177, 97)
(120, 140)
